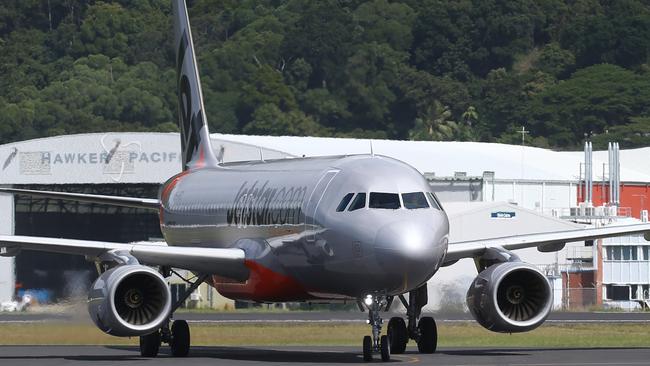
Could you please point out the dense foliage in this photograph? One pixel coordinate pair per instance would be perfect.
(406, 69)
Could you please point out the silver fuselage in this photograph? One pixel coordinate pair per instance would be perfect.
(282, 213)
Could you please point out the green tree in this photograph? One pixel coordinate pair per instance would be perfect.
(555, 61)
(502, 102)
(418, 90)
(470, 115)
(436, 124)
(328, 109)
(635, 134)
(472, 37)
(384, 22)
(322, 35)
(106, 29)
(615, 32)
(268, 119)
(266, 87)
(371, 79)
(594, 99)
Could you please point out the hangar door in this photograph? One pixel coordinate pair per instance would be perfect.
(51, 277)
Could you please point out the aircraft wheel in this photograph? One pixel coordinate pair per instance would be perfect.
(180, 342)
(397, 335)
(428, 335)
(150, 344)
(367, 348)
(385, 348)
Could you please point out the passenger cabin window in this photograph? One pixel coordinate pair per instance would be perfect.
(384, 200)
(359, 202)
(344, 202)
(414, 200)
(434, 201)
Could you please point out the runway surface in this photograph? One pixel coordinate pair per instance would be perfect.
(353, 317)
(96, 355)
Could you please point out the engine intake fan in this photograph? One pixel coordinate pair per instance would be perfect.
(510, 297)
(129, 300)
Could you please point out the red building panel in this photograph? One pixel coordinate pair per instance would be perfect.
(635, 197)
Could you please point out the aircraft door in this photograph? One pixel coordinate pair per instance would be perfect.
(314, 200)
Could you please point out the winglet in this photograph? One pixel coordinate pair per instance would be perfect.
(195, 138)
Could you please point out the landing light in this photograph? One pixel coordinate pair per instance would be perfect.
(368, 300)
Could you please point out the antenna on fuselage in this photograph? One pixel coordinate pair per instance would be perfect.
(261, 155)
(372, 152)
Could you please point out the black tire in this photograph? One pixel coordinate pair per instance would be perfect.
(180, 342)
(367, 348)
(385, 348)
(150, 344)
(397, 335)
(428, 335)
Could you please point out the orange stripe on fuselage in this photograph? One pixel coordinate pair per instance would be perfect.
(170, 186)
(263, 285)
(201, 162)
(167, 190)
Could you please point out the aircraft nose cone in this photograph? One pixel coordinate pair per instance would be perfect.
(410, 251)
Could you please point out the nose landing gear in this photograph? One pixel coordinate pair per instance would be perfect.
(421, 329)
(377, 343)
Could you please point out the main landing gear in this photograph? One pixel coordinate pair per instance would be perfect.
(178, 335)
(421, 329)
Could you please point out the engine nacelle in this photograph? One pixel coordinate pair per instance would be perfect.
(510, 297)
(129, 300)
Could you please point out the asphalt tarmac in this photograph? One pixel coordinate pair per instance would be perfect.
(97, 355)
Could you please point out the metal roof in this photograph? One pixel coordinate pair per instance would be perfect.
(100, 158)
(446, 157)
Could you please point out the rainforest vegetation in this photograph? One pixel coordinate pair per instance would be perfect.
(467, 70)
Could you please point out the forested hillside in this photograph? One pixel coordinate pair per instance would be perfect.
(466, 70)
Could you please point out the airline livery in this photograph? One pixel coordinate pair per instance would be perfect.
(360, 228)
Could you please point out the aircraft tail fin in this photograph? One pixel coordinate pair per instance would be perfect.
(195, 138)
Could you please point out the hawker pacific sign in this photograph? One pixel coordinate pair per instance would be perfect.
(106, 158)
(92, 158)
(41, 162)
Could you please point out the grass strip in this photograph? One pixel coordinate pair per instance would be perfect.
(345, 334)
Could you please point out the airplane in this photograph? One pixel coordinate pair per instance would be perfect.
(361, 228)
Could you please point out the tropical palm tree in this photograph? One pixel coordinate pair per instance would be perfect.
(435, 124)
(470, 115)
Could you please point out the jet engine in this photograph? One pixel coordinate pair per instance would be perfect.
(510, 297)
(129, 300)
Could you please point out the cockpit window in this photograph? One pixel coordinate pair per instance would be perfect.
(414, 200)
(344, 202)
(359, 202)
(384, 200)
(434, 201)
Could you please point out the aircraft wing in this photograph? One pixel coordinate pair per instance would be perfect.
(475, 248)
(146, 203)
(227, 262)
